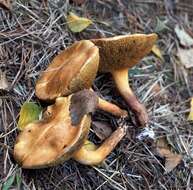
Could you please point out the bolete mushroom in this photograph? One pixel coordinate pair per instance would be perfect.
(60, 135)
(117, 55)
(70, 71)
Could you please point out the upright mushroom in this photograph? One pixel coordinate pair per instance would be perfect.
(117, 55)
(62, 133)
(72, 70)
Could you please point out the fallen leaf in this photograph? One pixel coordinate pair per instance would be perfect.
(190, 117)
(102, 129)
(18, 180)
(29, 112)
(185, 56)
(76, 23)
(7, 184)
(171, 159)
(157, 52)
(6, 4)
(82, 102)
(184, 38)
(3, 81)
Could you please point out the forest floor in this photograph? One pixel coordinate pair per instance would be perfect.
(33, 32)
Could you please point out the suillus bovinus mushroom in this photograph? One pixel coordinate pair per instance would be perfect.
(72, 70)
(117, 55)
(62, 134)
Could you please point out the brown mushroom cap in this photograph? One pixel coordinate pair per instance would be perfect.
(70, 71)
(123, 51)
(52, 140)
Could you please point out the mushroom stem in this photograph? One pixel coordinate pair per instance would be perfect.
(121, 81)
(111, 108)
(91, 155)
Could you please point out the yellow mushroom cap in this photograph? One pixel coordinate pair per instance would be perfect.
(70, 71)
(52, 140)
(123, 51)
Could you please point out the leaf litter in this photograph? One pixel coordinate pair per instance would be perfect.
(164, 150)
(76, 23)
(184, 38)
(130, 166)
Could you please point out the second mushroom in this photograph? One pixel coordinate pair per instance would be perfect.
(117, 55)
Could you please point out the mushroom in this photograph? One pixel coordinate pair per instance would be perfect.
(117, 55)
(70, 71)
(62, 133)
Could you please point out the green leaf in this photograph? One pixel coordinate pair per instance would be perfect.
(76, 23)
(18, 180)
(29, 112)
(8, 183)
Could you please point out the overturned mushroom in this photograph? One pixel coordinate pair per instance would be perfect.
(117, 55)
(72, 70)
(60, 135)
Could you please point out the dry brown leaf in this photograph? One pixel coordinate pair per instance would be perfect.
(3, 81)
(6, 4)
(185, 56)
(171, 159)
(102, 129)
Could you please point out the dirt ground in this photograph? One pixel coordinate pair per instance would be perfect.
(33, 32)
